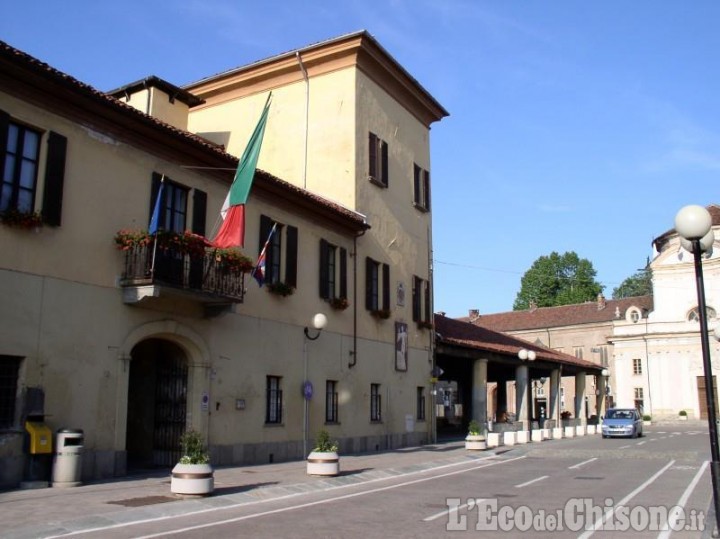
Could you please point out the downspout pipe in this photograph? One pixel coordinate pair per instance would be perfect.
(307, 114)
(353, 352)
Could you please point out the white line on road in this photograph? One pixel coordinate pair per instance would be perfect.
(292, 507)
(521, 485)
(623, 447)
(472, 502)
(672, 522)
(640, 443)
(583, 463)
(598, 523)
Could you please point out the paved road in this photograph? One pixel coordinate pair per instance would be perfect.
(553, 489)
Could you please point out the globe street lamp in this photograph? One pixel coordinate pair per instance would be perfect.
(319, 321)
(694, 225)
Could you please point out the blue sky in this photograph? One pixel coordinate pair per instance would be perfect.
(574, 125)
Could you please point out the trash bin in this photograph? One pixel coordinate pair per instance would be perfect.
(67, 463)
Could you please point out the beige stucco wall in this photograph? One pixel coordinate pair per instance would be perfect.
(63, 312)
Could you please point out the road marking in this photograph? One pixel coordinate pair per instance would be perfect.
(582, 463)
(671, 524)
(472, 502)
(521, 485)
(623, 447)
(598, 523)
(640, 443)
(292, 507)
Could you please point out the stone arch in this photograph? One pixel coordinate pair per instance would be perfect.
(193, 344)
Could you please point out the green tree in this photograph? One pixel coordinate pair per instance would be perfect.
(639, 284)
(558, 280)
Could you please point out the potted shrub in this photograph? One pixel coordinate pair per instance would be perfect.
(647, 419)
(323, 459)
(475, 440)
(683, 415)
(192, 475)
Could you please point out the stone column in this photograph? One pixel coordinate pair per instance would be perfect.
(521, 396)
(553, 411)
(479, 393)
(580, 406)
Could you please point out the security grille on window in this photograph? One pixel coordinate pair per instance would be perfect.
(639, 399)
(331, 402)
(421, 404)
(9, 369)
(637, 366)
(375, 403)
(421, 185)
(333, 271)
(281, 253)
(378, 156)
(273, 412)
(421, 301)
(377, 286)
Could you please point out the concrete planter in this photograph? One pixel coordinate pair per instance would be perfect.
(192, 480)
(475, 442)
(580, 430)
(509, 438)
(569, 432)
(682, 417)
(323, 463)
(494, 439)
(536, 435)
(521, 437)
(557, 433)
(591, 429)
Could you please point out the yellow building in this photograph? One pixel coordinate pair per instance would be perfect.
(134, 346)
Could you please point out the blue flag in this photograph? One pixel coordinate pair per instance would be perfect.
(155, 219)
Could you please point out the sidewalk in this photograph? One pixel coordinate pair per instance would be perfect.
(55, 511)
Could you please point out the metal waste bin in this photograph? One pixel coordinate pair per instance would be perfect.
(67, 462)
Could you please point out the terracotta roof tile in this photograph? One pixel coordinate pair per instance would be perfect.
(565, 315)
(461, 333)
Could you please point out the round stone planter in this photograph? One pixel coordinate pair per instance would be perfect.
(192, 480)
(475, 442)
(323, 463)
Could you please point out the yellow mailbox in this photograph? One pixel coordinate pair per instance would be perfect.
(40, 437)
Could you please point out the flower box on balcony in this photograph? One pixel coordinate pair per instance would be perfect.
(280, 289)
(21, 219)
(382, 314)
(339, 303)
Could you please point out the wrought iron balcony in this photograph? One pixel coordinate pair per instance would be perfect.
(207, 275)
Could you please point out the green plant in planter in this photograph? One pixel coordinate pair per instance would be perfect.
(647, 417)
(323, 443)
(683, 413)
(193, 448)
(474, 428)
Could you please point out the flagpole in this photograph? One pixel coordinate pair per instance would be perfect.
(156, 218)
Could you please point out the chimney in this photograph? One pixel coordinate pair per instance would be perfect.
(601, 301)
(473, 314)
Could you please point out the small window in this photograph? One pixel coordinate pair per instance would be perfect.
(421, 302)
(637, 366)
(173, 204)
(333, 271)
(19, 180)
(9, 370)
(375, 403)
(633, 315)
(377, 287)
(378, 157)
(273, 413)
(421, 188)
(281, 252)
(693, 316)
(420, 404)
(331, 402)
(578, 352)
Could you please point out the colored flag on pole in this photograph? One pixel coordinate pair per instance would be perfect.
(232, 230)
(155, 218)
(259, 271)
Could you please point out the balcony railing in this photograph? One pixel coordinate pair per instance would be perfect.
(206, 274)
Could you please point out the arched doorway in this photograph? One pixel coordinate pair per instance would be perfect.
(157, 404)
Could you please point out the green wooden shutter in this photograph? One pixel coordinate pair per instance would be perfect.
(324, 277)
(54, 179)
(199, 212)
(343, 273)
(385, 172)
(385, 286)
(291, 254)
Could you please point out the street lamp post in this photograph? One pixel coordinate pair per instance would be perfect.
(319, 321)
(694, 225)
